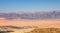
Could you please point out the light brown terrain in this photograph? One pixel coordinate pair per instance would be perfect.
(22, 22)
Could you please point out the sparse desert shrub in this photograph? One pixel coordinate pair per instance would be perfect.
(45, 30)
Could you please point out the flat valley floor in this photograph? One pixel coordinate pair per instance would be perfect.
(49, 23)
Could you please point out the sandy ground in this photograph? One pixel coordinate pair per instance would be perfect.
(20, 30)
(40, 23)
(20, 22)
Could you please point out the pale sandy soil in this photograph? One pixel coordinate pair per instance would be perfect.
(40, 23)
(20, 22)
(20, 30)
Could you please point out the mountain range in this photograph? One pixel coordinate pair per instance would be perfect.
(35, 15)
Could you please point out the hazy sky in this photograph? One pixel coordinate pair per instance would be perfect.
(28, 5)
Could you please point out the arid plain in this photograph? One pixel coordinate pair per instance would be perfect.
(49, 23)
(23, 22)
